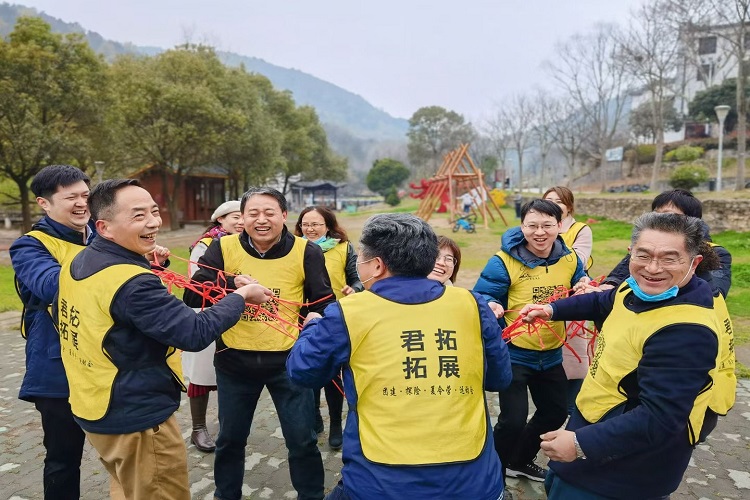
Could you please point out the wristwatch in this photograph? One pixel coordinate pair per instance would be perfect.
(579, 451)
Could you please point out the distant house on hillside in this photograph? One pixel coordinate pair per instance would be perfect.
(708, 60)
(203, 189)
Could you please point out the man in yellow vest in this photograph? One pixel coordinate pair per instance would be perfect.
(642, 405)
(417, 358)
(61, 191)
(119, 327)
(533, 265)
(252, 355)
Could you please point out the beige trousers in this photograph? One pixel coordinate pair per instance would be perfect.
(146, 465)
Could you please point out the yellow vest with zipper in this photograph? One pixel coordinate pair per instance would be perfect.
(286, 279)
(620, 348)
(569, 237)
(536, 286)
(336, 267)
(725, 383)
(418, 370)
(86, 321)
(62, 251)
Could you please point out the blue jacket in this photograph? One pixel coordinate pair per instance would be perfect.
(37, 274)
(147, 319)
(494, 282)
(323, 347)
(641, 449)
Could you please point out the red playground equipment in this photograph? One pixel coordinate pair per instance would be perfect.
(424, 189)
(455, 177)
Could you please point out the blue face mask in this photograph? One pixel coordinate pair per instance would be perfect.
(669, 293)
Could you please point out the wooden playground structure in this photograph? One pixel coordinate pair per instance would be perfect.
(458, 175)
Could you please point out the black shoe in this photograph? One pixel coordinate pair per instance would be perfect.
(530, 471)
(318, 423)
(202, 440)
(335, 439)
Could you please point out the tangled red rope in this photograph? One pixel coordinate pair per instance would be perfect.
(574, 329)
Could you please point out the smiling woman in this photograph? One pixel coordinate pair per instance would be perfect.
(447, 263)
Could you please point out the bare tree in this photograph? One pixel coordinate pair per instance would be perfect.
(588, 69)
(513, 120)
(542, 128)
(650, 52)
(728, 21)
(568, 130)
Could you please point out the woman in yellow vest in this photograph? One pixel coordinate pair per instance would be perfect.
(198, 367)
(579, 238)
(319, 225)
(447, 263)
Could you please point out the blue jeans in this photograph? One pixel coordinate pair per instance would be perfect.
(295, 407)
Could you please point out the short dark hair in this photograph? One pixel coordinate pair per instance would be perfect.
(406, 243)
(545, 207)
(682, 199)
(690, 228)
(445, 242)
(274, 193)
(334, 230)
(102, 198)
(53, 177)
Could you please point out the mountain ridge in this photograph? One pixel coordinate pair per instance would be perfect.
(337, 107)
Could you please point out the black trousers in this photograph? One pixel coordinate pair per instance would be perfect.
(334, 398)
(517, 441)
(63, 440)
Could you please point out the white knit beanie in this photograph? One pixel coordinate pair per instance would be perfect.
(225, 208)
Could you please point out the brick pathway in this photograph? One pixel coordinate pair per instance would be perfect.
(719, 468)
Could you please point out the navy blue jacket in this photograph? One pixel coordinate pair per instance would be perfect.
(640, 449)
(323, 347)
(37, 274)
(147, 320)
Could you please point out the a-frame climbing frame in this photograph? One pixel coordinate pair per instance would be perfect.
(457, 175)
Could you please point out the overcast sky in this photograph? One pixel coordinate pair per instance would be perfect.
(399, 55)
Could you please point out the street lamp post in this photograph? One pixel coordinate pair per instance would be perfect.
(721, 113)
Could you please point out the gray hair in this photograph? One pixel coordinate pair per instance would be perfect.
(689, 227)
(267, 191)
(406, 243)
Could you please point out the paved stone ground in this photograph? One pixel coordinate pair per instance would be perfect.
(719, 469)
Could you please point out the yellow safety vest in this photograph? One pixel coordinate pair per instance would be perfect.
(286, 279)
(62, 251)
(569, 237)
(84, 321)
(619, 349)
(536, 286)
(418, 371)
(725, 384)
(336, 267)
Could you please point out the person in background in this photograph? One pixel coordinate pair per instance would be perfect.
(62, 191)
(517, 202)
(447, 263)
(119, 327)
(641, 408)
(198, 367)
(254, 352)
(319, 225)
(533, 265)
(466, 201)
(578, 237)
(679, 201)
(422, 356)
